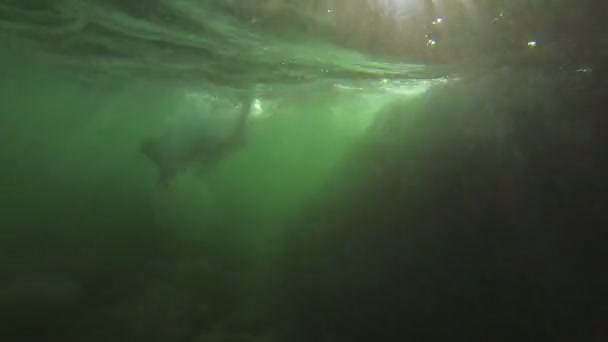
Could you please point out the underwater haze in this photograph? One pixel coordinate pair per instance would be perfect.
(323, 170)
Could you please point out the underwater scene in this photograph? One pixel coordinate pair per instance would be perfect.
(303, 170)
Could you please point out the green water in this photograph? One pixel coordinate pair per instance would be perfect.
(399, 180)
(83, 214)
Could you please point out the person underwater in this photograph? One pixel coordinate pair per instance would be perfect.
(203, 151)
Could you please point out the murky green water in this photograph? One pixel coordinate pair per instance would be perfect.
(408, 170)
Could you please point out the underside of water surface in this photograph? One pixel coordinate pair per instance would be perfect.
(314, 171)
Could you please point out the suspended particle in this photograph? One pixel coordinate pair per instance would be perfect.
(438, 21)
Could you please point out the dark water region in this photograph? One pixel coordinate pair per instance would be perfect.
(275, 170)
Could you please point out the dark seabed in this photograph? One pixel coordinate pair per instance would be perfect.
(303, 171)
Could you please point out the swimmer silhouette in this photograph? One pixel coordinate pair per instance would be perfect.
(204, 151)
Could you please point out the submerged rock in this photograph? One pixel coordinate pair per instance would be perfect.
(476, 224)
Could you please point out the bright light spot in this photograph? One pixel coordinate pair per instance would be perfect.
(438, 21)
(431, 42)
(532, 43)
(256, 108)
(411, 87)
(500, 15)
(329, 10)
